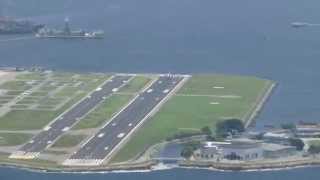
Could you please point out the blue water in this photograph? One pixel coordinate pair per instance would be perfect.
(247, 37)
(187, 174)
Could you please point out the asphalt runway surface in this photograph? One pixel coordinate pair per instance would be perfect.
(102, 143)
(63, 123)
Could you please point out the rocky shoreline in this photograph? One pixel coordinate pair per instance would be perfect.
(253, 166)
(147, 166)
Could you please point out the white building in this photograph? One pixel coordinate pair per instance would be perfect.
(232, 150)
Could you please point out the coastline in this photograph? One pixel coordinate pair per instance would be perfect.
(260, 103)
(147, 166)
(254, 166)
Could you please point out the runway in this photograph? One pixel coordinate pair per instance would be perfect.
(104, 143)
(65, 121)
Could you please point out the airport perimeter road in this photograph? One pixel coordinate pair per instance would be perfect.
(102, 145)
(69, 118)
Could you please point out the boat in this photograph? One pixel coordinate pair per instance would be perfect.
(67, 33)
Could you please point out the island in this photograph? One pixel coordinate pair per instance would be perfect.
(71, 121)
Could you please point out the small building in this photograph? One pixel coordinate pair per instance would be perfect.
(278, 137)
(307, 131)
(271, 150)
(243, 149)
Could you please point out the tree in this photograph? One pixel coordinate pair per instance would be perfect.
(298, 143)
(189, 148)
(211, 138)
(206, 130)
(314, 149)
(187, 152)
(289, 126)
(230, 126)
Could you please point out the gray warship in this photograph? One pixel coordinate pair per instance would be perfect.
(67, 33)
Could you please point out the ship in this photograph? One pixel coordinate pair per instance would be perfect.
(12, 26)
(299, 24)
(67, 33)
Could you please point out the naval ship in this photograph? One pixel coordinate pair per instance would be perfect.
(12, 26)
(67, 33)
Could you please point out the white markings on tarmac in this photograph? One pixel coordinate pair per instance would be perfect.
(24, 155)
(166, 91)
(218, 87)
(115, 90)
(214, 103)
(84, 160)
(99, 89)
(120, 135)
(47, 128)
(100, 135)
(66, 129)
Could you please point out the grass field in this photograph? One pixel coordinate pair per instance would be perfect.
(69, 141)
(136, 84)
(12, 139)
(104, 112)
(203, 101)
(21, 118)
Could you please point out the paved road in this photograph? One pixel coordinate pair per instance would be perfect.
(102, 144)
(63, 123)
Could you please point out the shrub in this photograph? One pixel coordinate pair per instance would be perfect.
(230, 126)
(298, 143)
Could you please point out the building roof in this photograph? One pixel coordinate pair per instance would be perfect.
(277, 135)
(233, 144)
(275, 147)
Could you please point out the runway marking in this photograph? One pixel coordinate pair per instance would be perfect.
(209, 95)
(218, 87)
(66, 129)
(149, 90)
(166, 91)
(47, 128)
(120, 135)
(73, 160)
(100, 135)
(214, 103)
